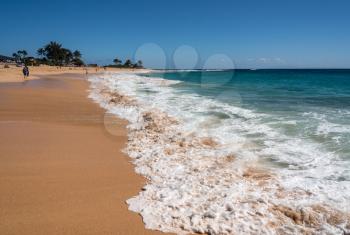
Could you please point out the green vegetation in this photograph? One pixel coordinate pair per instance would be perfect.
(117, 62)
(54, 54)
(20, 56)
(51, 54)
(128, 64)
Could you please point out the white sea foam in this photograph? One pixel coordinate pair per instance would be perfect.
(203, 161)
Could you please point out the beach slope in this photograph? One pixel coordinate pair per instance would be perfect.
(61, 172)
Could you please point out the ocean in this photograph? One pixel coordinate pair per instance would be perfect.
(230, 151)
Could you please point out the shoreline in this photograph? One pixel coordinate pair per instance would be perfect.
(60, 169)
(14, 74)
(196, 182)
(156, 143)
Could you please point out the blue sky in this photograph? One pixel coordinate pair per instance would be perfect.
(254, 34)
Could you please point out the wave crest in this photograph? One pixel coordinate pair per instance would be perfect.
(197, 182)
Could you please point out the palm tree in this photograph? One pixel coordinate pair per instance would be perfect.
(128, 63)
(20, 56)
(117, 62)
(41, 52)
(54, 53)
(67, 56)
(16, 57)
(77, 61)
(77, 54)
(139, 64)
(22, 53)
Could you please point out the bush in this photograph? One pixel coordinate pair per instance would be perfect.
(6, 66)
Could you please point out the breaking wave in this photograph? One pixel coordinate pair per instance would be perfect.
(207, 174)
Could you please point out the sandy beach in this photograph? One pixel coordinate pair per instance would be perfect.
(61, 172)
(62, 169)
(120, 117)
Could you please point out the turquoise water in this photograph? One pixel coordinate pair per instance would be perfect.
(312, 106)
(292, 123)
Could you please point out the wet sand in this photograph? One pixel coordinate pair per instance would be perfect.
(61, 171)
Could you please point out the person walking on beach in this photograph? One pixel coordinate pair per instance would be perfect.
(25, 72)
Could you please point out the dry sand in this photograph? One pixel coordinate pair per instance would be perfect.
(14, 74)
(61, 172)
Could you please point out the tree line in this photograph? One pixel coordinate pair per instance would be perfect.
(51, 54)
(55, 54)
(127, 64)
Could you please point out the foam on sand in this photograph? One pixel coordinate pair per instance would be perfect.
(201, 176)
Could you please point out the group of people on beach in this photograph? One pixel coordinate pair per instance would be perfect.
(25, 71)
